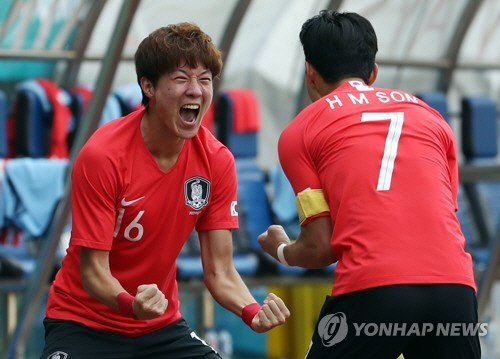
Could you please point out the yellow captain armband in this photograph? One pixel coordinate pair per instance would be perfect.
(310, 202)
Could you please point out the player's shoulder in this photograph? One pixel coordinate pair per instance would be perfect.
(113, 137)
(308, 115)
(211, 145)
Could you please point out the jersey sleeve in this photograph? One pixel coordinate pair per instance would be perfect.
(296, 162)
(93, 195)
(221, 212)
(299, 168)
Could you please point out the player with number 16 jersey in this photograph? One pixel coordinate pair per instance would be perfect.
(140, 186)
(200, 190)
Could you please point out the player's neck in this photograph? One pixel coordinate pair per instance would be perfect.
(333, 86)
(164, 146)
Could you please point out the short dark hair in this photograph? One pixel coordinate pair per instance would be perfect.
(339, 45)
(171, 46)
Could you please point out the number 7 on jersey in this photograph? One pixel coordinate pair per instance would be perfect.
(391, 144)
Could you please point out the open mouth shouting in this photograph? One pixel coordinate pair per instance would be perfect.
(189, 113)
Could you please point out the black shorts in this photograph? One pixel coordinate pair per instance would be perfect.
(71, 340)
(418, 321)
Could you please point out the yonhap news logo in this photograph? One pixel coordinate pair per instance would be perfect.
(333, 328)
(421, 329)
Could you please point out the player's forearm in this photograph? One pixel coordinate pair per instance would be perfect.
(97, 279)
(312, 249)
(307, 255)
(228, 289)
(102, 287)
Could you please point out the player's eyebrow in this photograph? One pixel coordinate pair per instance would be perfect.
(204, 72)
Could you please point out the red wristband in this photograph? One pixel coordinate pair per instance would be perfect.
(249, 312)
(125, 303)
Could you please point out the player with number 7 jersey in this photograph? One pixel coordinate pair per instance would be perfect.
(380, 155)
(375, 175)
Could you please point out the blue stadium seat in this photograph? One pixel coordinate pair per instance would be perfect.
(480, 146)
(253, 206)
(479, 129)
(479, 141)
(42, 119)
(242, 144)
(32, 124)
(253, 203)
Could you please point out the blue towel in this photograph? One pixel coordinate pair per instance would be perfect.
(130, 94)
(111, 110)
(31, 190)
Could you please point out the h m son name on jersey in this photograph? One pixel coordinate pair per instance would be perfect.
(383, 96)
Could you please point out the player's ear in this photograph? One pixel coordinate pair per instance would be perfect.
(311, 74)
(147, 86)
(373, 75)
(314, 82)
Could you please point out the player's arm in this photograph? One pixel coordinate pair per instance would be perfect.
(228, 288)
(312, 249)
(148, 303)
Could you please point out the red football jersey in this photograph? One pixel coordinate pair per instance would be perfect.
(388, 167)
(124, 203)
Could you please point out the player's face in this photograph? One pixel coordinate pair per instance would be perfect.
(182, 97)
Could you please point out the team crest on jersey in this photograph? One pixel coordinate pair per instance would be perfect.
(58, 355)
(196, 192)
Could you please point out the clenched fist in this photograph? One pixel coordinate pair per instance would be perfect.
(272, 238)
(272, 313)
(149, 302)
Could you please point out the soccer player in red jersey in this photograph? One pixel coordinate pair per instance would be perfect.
(140, 185)
(376, 178)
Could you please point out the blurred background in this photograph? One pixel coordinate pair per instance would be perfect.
(66, 67)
